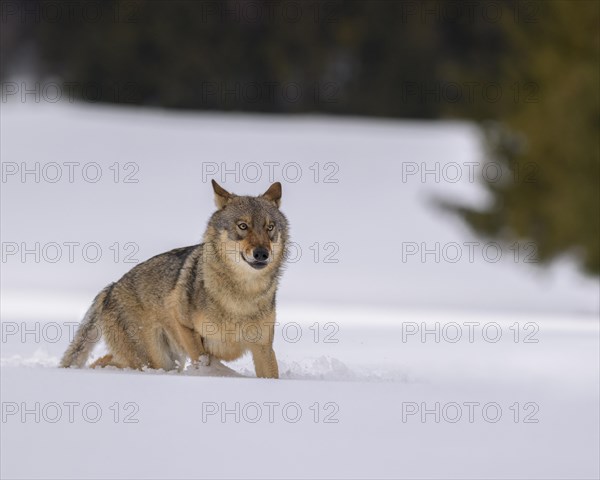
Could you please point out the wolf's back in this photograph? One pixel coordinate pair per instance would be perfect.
(88, 333)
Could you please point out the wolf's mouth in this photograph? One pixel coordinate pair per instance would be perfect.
(255, 264)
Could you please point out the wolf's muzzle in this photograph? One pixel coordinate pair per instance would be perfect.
(260, 254)
(260, 258)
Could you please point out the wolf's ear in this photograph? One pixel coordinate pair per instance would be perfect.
(273, 194)
(222, 196)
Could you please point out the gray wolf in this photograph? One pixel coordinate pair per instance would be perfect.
(212, 300)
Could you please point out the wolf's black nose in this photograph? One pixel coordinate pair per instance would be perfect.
(260, 254)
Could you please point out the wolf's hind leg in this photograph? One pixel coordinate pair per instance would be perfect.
(203, 360)
(106, 361)
(191, 341)
(165, 352)
(124, 343)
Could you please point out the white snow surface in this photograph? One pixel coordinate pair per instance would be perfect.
(361, 343)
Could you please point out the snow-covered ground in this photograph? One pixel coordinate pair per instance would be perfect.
(406, 349)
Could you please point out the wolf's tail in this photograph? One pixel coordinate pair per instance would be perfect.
(88, 334)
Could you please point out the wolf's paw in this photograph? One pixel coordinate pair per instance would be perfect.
(203, 361)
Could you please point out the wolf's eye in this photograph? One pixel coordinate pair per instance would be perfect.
(242, 226)
(270, 227)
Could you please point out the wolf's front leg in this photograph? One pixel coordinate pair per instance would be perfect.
(265, 362)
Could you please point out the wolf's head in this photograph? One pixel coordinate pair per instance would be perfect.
(248, 233)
